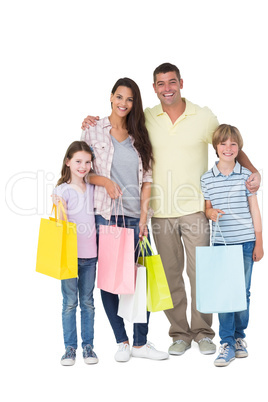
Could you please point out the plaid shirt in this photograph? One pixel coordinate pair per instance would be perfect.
(99, 138)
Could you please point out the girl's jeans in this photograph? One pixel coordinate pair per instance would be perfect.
(81, 287)
(110, 301)
(233, 325)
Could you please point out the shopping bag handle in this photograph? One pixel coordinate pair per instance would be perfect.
(218, 227)
(57, 210)
(120, 202)
(144, 243)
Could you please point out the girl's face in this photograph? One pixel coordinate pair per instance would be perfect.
(227, 150)
(79, 164)
(122, 101)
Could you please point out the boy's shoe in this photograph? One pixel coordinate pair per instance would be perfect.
(68, 359)
(178, 347)
(89, 355)
(206, 346)
(123, 353)
(240, 348)
(227, 354)
(149, 352)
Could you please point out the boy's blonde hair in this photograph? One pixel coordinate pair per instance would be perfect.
(223, 133)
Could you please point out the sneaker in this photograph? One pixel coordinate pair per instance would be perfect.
(227, 354)
(68, 359)
(178, 347)
(89, 355)
(206, 346)
(149, 352)
(123, 353)
(240, 348)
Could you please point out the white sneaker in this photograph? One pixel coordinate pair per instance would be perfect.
(149, 352)
(123, 353)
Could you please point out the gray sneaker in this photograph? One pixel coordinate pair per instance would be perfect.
(178, 347)
(68, 359)
(89, 355)
(206, 346)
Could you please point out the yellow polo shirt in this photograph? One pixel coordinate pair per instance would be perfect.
(181, 158)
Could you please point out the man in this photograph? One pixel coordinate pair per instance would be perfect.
(180, 132)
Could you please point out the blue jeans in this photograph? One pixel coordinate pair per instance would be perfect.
(110, 301)
(233, 325)
(71, 288)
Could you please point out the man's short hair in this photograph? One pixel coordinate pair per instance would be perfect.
(166, 68)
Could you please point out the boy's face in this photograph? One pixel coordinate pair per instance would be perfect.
(227, 150)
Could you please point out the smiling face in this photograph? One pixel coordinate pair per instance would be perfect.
(168, 87)
(227, 150)
(122, 101)
(79, 164)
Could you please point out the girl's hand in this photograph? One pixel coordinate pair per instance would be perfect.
(89, 121)
(253, 182)
(143, 230)
(112, 188)
(257, 253)
(213, 214)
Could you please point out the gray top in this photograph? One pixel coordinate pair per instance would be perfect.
(125, 172)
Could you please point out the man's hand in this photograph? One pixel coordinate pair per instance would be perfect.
(253, 182)
(89, 121)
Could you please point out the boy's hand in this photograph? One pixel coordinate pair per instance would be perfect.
(257, 253)
(213, 214)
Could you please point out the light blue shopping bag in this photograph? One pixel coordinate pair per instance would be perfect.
(220, 279)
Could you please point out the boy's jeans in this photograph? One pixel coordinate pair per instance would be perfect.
(233, 325)
(81, 287)
(110, 301)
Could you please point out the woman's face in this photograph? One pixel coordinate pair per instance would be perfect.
(122, 101)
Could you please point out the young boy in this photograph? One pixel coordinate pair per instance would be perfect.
(226, 195)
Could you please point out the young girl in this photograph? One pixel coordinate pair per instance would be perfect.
(123, 164)
(226, 195)
(76, 196)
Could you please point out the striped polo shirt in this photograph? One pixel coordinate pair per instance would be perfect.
(229, 193)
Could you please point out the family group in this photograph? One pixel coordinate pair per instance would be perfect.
(156, 160)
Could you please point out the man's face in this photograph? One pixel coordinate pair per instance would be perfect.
(167, 87)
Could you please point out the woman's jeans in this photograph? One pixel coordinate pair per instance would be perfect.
(110, 301)
(233, 325)
(81, 287)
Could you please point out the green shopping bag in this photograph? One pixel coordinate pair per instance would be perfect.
(158, 293)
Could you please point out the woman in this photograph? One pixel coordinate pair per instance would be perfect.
(123, 157)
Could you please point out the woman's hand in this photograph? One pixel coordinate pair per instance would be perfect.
(143, 229)
(112, 188)
(89, 121)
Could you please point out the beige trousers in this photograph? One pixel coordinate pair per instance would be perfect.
(172, 237)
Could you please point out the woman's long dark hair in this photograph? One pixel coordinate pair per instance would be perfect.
(75, 146)
(136, 123)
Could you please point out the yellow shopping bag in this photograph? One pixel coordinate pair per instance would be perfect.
(57, 247)
(158, 293)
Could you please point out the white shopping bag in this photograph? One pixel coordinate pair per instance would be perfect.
(133, 307)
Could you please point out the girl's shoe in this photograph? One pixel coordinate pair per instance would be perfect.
(123, 353)
(89, 355)
(240, 348)
(227, 354)
(68, 359)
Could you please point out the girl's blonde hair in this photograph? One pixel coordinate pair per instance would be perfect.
(75, 146)
(223, 133)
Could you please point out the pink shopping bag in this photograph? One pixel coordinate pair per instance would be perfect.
(116, 261)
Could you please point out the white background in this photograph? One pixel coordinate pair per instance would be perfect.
(60, 60)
